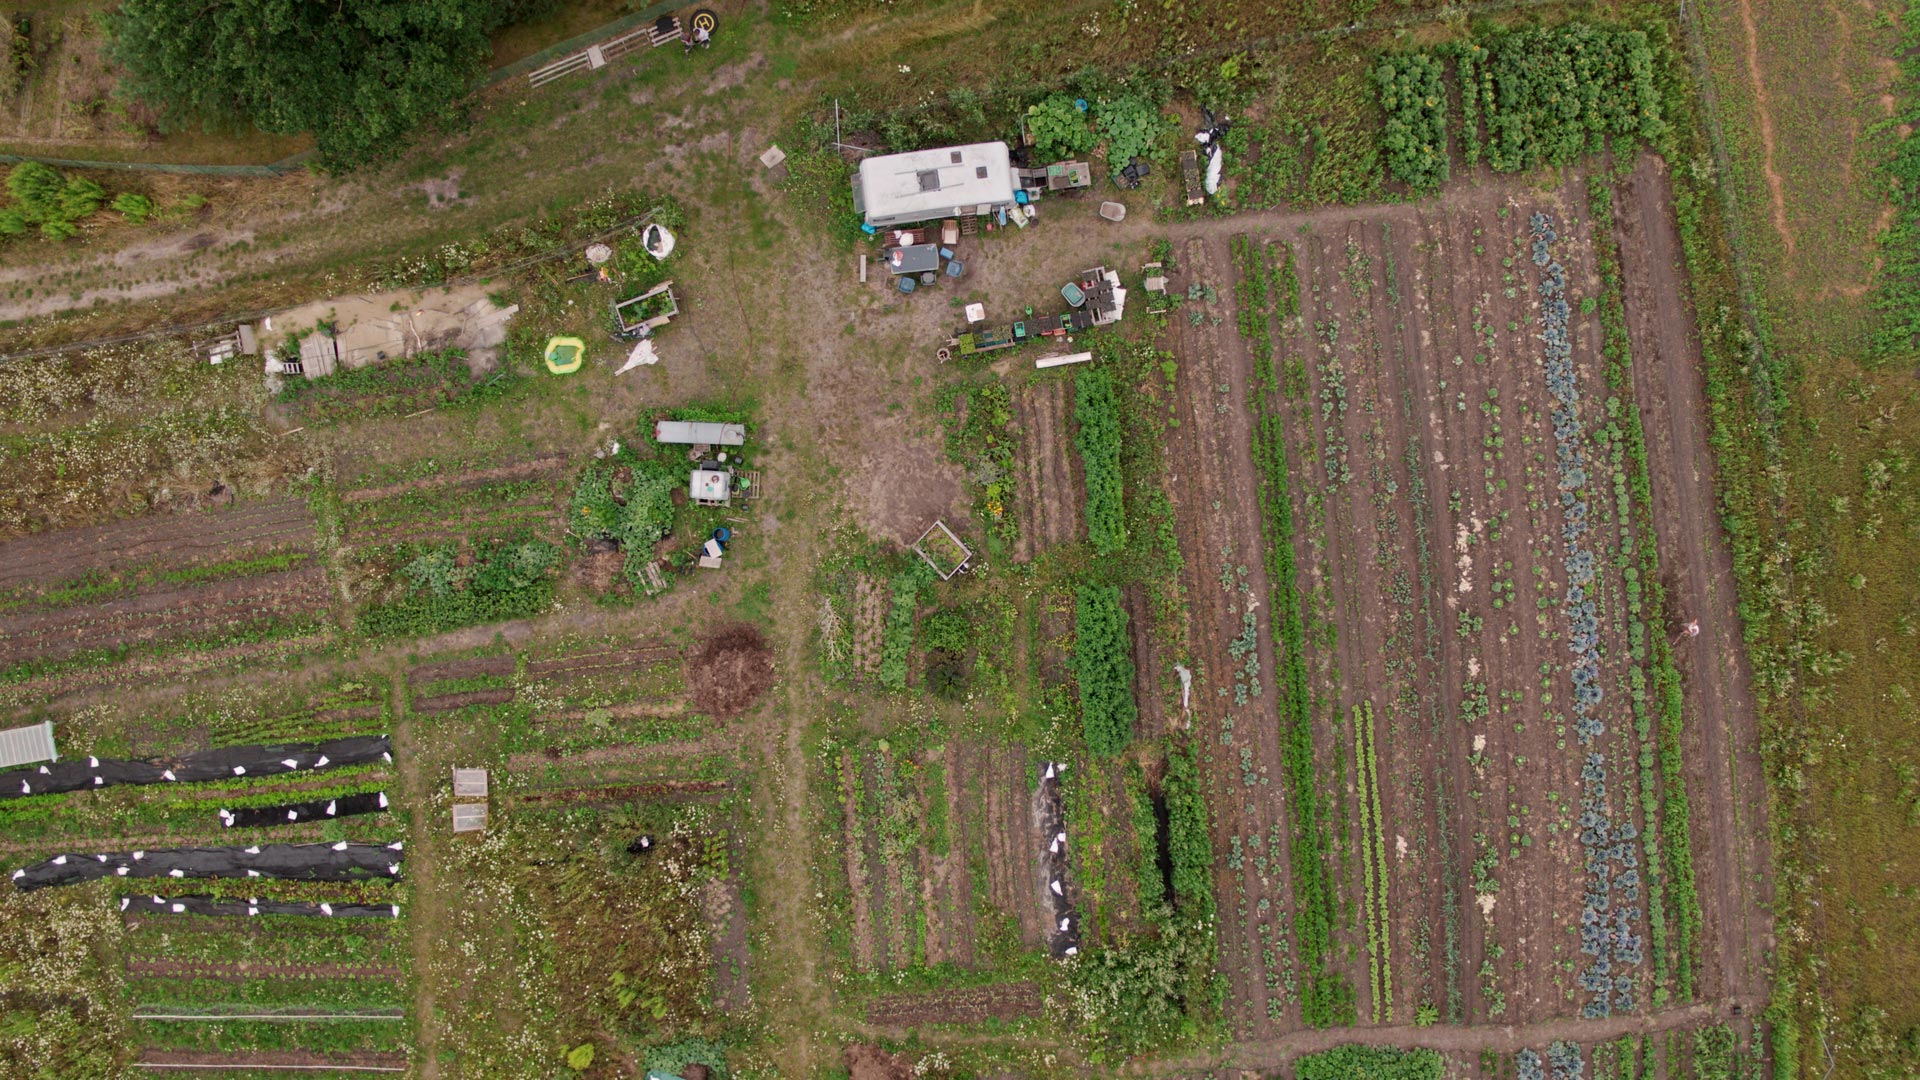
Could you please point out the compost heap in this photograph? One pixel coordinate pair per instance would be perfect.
(730, 670)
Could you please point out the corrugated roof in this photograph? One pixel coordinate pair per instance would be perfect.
(684, 431)
(27, 745)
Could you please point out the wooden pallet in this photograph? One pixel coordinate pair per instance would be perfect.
(651, 582)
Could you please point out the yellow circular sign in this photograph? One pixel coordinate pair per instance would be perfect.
(705, 20)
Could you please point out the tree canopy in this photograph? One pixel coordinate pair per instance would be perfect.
(360, 75)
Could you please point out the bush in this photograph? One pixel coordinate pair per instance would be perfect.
(1131, 125)
(1103, 667)
(1415, 137)
(46, 197)
(1059, 128)
(1098, 440)
(1188, 836)
(136, 209)
(636, 513)
(1550, 94)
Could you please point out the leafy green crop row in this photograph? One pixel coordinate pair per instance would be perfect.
(1098, 439)
(1373, 861)
(1370, 1063)
(1103, 668)
(896, 640)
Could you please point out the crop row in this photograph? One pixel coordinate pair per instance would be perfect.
(1373, 861)
(178, 994)
(1672, 853)
(1103, 669)
(1098, 438)
(242, 1036)
(1326, 999)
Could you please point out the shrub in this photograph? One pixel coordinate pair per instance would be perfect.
(636, 514)
(580, 1058)
(1187, 836)
(1415, 137)
(1131, 125)
(1550, 94)
(1059, 128)
(136, 209)
(1103, 667)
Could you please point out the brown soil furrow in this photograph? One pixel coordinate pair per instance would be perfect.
(970, 1005)
(1763, 117)
(539, 466)
(1217, 517)
(468, 668)
(856, 867)
(166, 539)
(269, 1060)
(644, 656)
(50, 635)
(1724, 775)
(238, 970)
(869, 619)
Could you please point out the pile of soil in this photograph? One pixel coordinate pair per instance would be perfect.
(865, 1061)
(730, 670)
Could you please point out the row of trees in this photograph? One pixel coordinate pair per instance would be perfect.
(362, 76)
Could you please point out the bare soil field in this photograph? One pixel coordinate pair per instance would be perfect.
(1433, 577)
(443, 670)
(202, 612)
(34, 565)
(1050, 494)
(971, 1005)
(1217, 518)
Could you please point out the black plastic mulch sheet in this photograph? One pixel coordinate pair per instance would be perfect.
(207, 905)
(301, 862)
(253, 817)
(223, 763)
(1064, 937)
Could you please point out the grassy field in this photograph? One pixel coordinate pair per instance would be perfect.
(1806, 107)
(1319, 688)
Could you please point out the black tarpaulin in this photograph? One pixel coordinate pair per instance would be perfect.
(303, 862)
(207, 905)
(224, 763)
(253, 817)
(1063, 939)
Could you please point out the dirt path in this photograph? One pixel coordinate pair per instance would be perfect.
(1763, 117)
(427, 916)
(1724, 772)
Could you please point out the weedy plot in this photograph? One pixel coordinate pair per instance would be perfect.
(160, 585)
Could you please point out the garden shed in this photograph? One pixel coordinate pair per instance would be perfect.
(710, 487)
(27, 745)
(952, 181)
